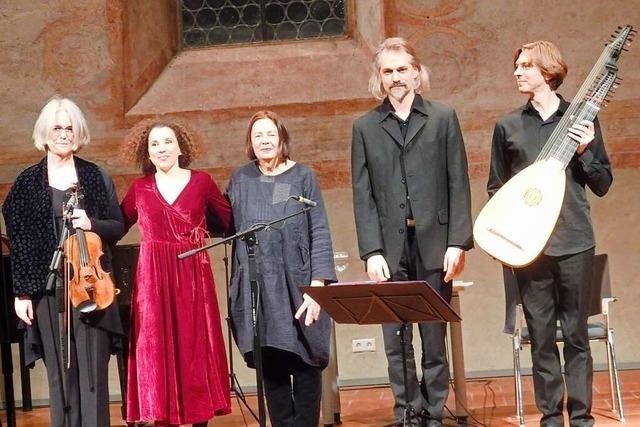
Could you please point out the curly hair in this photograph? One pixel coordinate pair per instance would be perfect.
(136, 144)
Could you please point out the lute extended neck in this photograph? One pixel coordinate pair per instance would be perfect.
(593, 94)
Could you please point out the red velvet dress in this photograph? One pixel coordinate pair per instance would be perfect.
(177, 361)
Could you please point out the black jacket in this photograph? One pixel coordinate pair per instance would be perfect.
(437, 183)
(30, 220)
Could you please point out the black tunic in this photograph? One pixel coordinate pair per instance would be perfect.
(289, 256)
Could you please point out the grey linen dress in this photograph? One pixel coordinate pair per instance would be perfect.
(289, 256)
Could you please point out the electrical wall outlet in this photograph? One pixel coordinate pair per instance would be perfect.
(363, 344)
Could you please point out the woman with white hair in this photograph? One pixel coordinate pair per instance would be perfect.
(33, 212)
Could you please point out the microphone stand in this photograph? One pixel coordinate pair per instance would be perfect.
(55, 286)
(233, 379)
(251, 240)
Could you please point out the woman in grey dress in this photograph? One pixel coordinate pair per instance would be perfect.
(296, 253)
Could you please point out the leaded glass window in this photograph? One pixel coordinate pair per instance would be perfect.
(215, 22)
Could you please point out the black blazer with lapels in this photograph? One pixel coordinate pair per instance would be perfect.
(437, 183)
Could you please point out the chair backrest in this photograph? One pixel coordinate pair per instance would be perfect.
(600, 283)
(600, 288)
(511, 299)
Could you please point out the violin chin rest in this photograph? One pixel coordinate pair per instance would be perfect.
(87, 306)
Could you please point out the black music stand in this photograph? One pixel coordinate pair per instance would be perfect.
(370, 303)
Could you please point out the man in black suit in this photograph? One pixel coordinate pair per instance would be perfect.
(412, 207)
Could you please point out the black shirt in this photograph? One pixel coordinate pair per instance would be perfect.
(517, 141)
(417, 107)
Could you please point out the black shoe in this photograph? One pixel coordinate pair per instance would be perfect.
(411, 423)
(427, 421)
(414, 421)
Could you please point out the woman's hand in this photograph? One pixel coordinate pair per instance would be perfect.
(24, 309)
(310, 306)
(79, 219)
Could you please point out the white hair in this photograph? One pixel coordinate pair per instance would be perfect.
(44, 125)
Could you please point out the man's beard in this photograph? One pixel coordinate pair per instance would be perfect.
(397, 94)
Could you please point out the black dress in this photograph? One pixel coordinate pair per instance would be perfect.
(32, 213)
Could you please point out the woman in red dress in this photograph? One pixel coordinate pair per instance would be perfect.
(177, 362)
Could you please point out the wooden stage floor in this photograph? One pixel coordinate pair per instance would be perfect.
(491, 402)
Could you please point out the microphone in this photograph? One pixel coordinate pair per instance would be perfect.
(187, 253)
(304, 200)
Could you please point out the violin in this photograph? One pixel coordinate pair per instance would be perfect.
(89, 286)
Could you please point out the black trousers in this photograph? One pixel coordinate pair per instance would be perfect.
(552, 289)
(430, 395)
(292, 389)
(87, 378)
